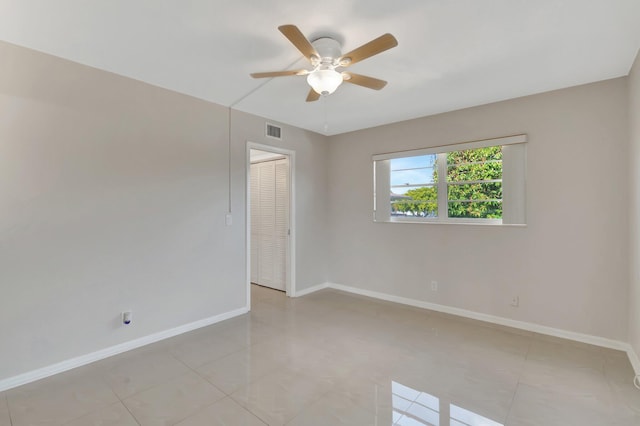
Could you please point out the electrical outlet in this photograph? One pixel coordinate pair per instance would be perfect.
(434, 285)
(515, 301)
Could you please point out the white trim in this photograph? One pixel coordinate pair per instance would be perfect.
(550, 331)
(69, 364)
(484, 143)
(310, 290)
(513, 183)
(542, 329)
(60, 367)
(291, 281)
(447, 220)
(481, 222)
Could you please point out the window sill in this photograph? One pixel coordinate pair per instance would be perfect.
(480, 222)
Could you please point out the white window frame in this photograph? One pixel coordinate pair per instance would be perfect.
(513, 182)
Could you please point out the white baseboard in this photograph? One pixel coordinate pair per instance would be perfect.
(550, 331)
(310, 290)
(69, 364)
(50, 370)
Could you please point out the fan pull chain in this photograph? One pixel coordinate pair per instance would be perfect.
(324, 107)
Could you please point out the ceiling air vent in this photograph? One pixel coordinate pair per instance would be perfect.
(274, 132)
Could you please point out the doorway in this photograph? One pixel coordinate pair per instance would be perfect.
(269, 218)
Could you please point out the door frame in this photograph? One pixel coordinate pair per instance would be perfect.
(290, 285)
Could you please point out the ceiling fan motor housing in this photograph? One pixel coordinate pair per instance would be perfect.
(328, 49)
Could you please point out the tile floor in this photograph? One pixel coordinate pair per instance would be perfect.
(332, 358)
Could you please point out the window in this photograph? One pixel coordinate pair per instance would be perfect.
(414, 186)
(474, 182)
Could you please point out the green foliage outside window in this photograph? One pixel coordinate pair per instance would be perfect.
(475, 200)
(419, 202)
(472, 190)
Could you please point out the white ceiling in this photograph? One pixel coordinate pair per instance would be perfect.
(452, 54)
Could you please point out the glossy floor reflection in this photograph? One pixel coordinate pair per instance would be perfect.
(332, 358)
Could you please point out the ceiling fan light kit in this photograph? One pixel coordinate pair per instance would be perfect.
(324, 81)
(325, 55)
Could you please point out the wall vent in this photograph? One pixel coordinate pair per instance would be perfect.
(274, 132)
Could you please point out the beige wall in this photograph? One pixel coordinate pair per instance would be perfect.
(634, 254)
(113, 195)
(311, 154)
(568, 266)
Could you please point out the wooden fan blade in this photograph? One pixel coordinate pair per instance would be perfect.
(298, 39)
(278, 73)
(380, 44)
(313, 96)
(363, 80)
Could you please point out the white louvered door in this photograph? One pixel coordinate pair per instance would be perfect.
(281, 250)
(255, 219)
(270, 223)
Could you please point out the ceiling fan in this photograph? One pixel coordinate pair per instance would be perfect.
(325, 56)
